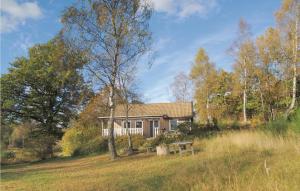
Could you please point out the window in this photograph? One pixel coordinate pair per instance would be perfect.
(138, 124)
(173, 124)
(128, 124)
(156, 123)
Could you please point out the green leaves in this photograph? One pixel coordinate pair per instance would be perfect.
(45, 88)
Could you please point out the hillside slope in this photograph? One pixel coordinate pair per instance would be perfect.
(236, 161)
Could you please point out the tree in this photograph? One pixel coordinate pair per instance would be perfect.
(113, 35)
(288, 21)
(97, 106)
(270, 73)
(224, 101)
(182, 88)
(245, 58)
(203, 74)
(46, 88)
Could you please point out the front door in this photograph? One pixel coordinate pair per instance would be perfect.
(154, 124)
(151, 128)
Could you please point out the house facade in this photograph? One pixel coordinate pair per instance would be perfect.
(149, 120)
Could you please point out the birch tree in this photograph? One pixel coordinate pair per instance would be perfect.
(269, 72)
(243, 50)
(113, 34)
(182, 88)
(288, 21)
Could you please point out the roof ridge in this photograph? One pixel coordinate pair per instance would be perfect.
(172, 109)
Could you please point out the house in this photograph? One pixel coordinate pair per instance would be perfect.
(149, 120)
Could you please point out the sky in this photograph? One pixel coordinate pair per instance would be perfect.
(179, 29)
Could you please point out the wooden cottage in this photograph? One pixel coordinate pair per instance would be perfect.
(149, 120)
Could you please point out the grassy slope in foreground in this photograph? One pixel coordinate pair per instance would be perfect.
(235, 161)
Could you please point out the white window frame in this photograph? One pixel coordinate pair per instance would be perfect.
(139, 121)
(170, 124)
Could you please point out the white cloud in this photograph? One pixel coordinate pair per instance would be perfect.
(14, 14)
(185, 8)
(163, 5)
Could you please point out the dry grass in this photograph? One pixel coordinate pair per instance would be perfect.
(235, 161)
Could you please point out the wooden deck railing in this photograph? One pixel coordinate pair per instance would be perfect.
(123, 131)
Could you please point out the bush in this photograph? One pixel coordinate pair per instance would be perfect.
(122, 142)
(96, 145)
(17, 155)
(282, 126)
(277, 127)
(83, 140)
(295, 122)
(40, 145)
(186, 127)
(36, 143)
(7, 155)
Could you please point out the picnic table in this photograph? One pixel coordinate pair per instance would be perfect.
(183, 147)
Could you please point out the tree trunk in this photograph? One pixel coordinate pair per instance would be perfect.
(244, 93)
(111, 139)
(50, 150)
(209, 120)
(130, 149)
(244, 106)
(294, 88)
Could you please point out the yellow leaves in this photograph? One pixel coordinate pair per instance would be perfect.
(287, 6)
(269, 46)
(202, 66)
(102, 13)
(201, 56)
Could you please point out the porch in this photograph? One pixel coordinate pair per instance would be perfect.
(132, 131)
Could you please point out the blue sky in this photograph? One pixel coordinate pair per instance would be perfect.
(179, 27)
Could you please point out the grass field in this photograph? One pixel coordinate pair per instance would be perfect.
(235, 161)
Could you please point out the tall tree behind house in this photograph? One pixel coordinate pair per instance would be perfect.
(113, 34)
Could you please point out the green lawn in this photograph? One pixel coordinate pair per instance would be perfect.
(236, 161)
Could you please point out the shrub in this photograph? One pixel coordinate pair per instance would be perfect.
(295, 122)
(7, 155)
(40, 145)
(277, 127)
(17, 155)
(122, 142)
(235, 125)
(96, 145)
(79, 140)
(186, 127)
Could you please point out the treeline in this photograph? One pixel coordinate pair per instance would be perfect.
(264, 84)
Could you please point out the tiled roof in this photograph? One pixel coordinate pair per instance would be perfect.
(176, 110)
